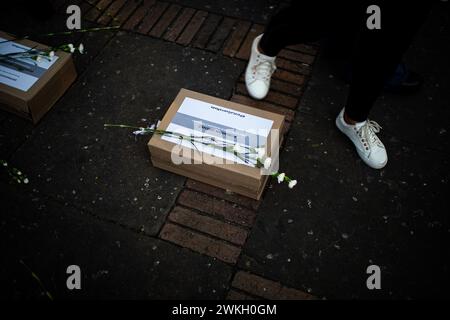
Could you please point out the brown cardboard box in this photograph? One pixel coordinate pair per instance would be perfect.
(239, 178)
(43, 94)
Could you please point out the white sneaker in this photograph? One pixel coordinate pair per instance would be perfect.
(363, 135)
(259, 70)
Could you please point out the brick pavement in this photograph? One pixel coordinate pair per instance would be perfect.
(206, 219)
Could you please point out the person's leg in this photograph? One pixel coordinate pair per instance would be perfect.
(303, 21)
(377, 54)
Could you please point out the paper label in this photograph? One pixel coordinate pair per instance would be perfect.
(203, 119)
(20, 73)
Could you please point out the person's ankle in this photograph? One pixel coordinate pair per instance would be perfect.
(348, 120)
(260, 50)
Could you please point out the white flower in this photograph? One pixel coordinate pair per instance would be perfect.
(238, 148)
(267, 163)
(141, 131)
(71, 48)
(81, 48)
(51, 54)
(292, 183)
(5, 164)
(261, 152)
(280, 177)
(25, 180)
(38, 59)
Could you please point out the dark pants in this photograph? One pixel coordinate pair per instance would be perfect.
(375, 53)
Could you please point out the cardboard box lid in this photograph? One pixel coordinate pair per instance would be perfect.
(158, 145)
(9, 94)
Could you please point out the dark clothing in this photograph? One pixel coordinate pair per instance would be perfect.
(375, 53)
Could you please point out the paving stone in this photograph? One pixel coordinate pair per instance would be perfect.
(96, 11)
(165, 20)
(296, 56)
(115, 262)
(81, 162)
(237, 36)
(340, 207)
(108, 15)
(139, 14)
(179, 24)
(153, 15)
(286, 87)
(223, 194)
(192, 28)
(216, 207)
(284, 75)
(205, 224)
(221, 34)
(273, 97)
(207, 29)
(259, 12)
(126, 11)
(265, 288)
(297, 67)
(200, 243)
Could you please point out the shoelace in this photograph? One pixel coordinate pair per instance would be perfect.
(367, 133)
(264, 70)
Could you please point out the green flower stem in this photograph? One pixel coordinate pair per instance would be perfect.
(192, 139)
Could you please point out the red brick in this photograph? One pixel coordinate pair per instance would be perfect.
(221, 34)
(109, 14)
(235, 295)
(97, 10)
(286, 87)
(288, 113)
(165, 21)
(305, 48)
(216, 207)
(126, 11)
(265, 288)
(292, 66)
(207, 29)
(222, 194)
(85, 6)
(192, 28)
(281, 86)
(296, 56)
(179, 24)
(153, 15)
(233, 43)
(200, 243)
(139, 14)
(272, 96)
(244, 51)
(289, 77)
(214, 227)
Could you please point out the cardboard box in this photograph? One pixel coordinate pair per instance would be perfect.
(214, 113)
(31, 91)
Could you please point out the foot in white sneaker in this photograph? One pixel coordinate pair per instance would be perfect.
(259, 70)
(363, 135)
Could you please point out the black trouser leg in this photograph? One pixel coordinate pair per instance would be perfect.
(303, 21)
(378, 52)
